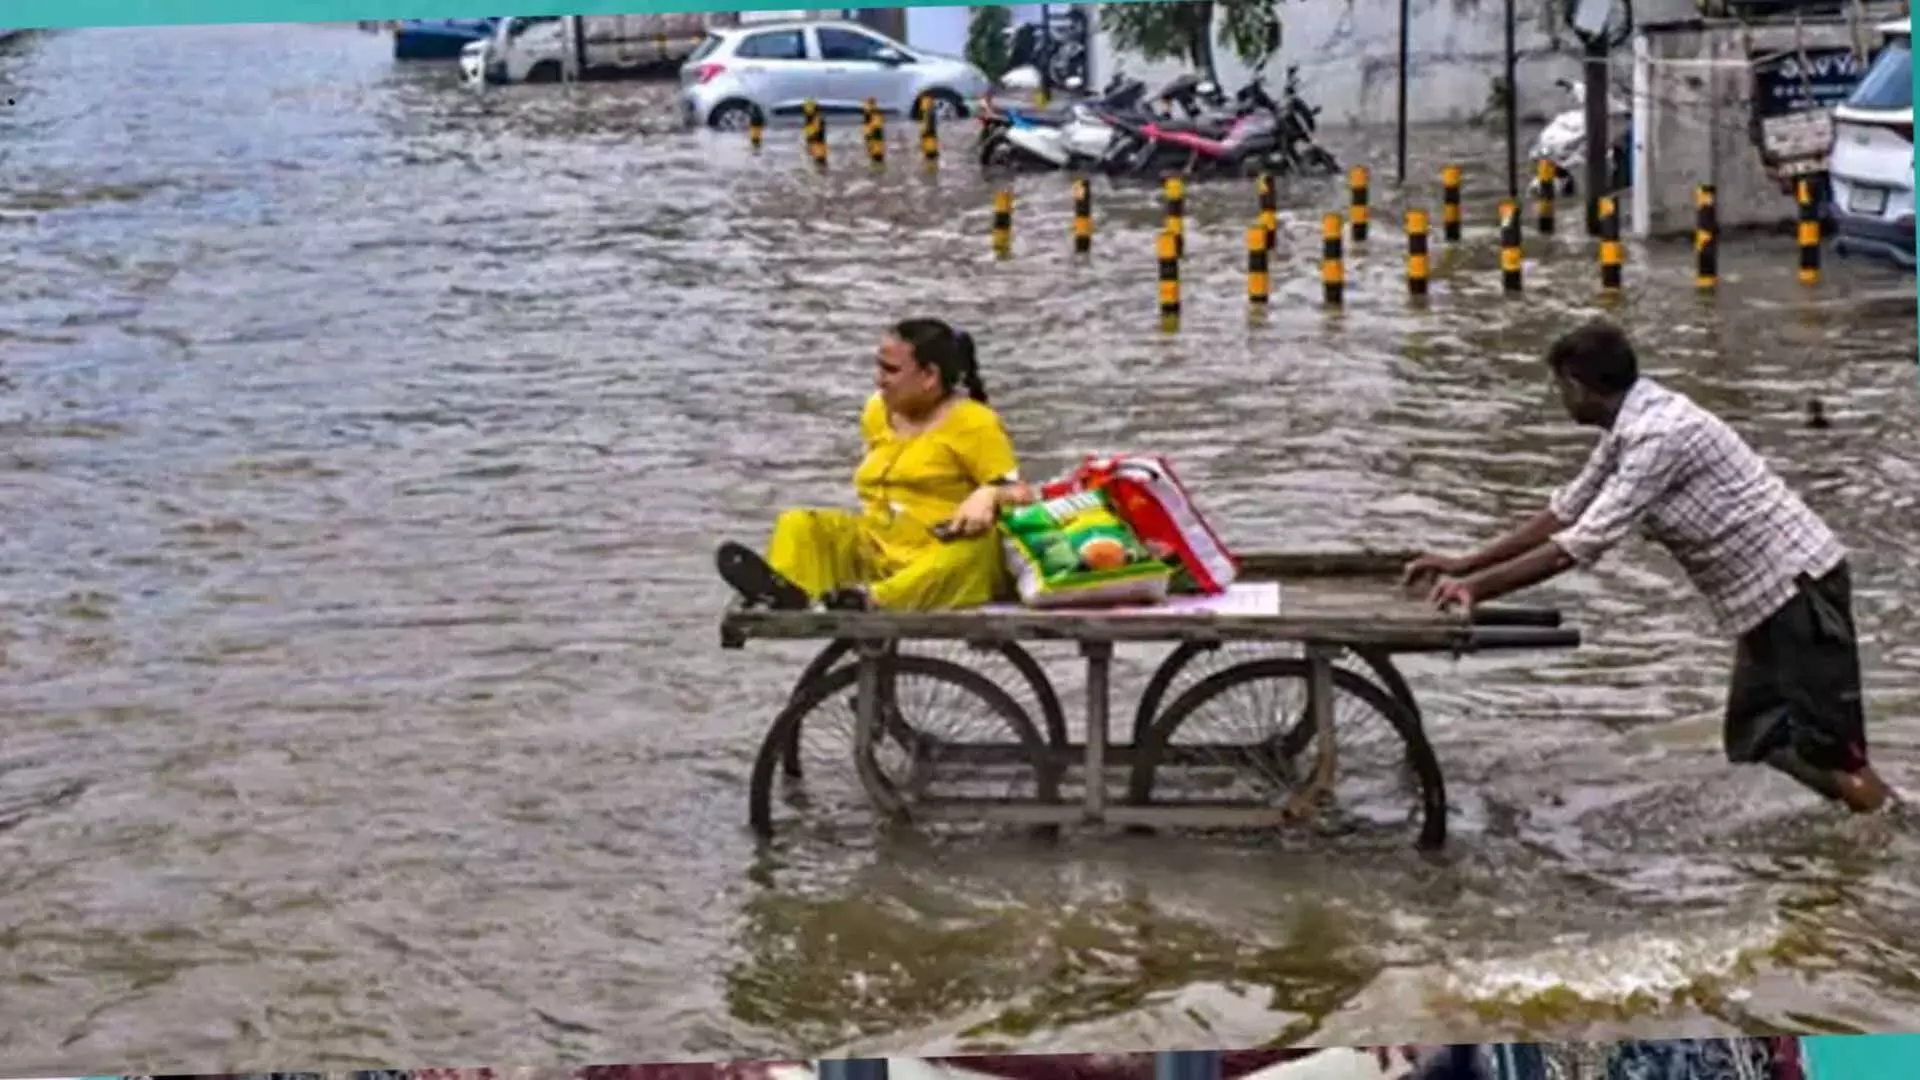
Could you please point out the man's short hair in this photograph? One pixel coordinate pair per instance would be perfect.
(1598, 356)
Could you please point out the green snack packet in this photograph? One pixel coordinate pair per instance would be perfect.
(1074, 551)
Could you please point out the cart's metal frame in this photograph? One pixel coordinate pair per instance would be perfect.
(1373, 637)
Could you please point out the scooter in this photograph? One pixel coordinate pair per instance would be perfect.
(1080, 134)
(1563, 143)
(1053, 137)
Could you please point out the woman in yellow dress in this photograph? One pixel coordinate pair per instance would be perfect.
(938, 469)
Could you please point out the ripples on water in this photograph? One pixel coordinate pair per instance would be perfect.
(362, 447)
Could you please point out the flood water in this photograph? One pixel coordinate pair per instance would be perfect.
(362, 448)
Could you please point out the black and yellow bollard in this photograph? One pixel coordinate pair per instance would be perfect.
(1706, 239)
(1450, 204)
(929, 131)
(1169, 252)
(1612, 255)
(1417, 254)
(756, 132)
(1002, 223)
(1808, 233)
(815, 132)
(1269, 208)
(1547, 177)
(1174, 194)
(1333, 270)
(1259, 283)
(1358, 197)
(1082, 216)
(874, 127)
(1511, 282)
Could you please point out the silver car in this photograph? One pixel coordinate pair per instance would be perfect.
(770, 70)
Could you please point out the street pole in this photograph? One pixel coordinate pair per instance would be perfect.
(1513, 112)
(1599, 174)
(1400, 159)
(1044, 45)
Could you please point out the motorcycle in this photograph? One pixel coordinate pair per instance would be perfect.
(1078, 134)
(1255, 134)
(1563, 144)
(1304, 156)
(1243, 139)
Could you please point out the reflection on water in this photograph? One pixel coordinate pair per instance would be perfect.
(362, 448)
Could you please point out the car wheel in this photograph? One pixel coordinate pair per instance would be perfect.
(546, 71)
(731, 116)
(946, 105)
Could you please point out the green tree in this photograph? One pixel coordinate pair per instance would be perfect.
(1185, 31)
(987, 45)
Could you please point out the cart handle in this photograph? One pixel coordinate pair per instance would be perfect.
(1521, 637)
(1536, 617)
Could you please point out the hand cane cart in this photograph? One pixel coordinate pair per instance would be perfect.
(1327, 625)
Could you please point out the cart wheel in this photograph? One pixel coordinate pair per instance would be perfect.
(1300, 737)
(1189, 655)
(946, 732)
(1387, 775)
(1027, 682)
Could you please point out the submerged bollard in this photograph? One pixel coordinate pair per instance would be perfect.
(1258, 281)
(1333, 271)
(1003, 223)
(1706, 239)
(756, 131)
(1417, 268)
(1548, 178)
(1082, 216)
(1358, 198)
(1269, 209)
(1450, 204)
(1510, 260)
(1169, 252)
(929, 131)
(1611, 253)
(874, 128)
(814, 130)
(1808, 233)
(1174, 193)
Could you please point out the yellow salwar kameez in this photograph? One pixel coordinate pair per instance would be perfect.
(906, 484)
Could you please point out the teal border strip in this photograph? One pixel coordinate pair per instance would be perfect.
(62, 14)
(1861, 1057)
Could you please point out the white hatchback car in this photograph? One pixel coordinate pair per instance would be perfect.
(770, 70)
(1870, 171)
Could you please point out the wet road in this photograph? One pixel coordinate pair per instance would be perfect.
(362, 446)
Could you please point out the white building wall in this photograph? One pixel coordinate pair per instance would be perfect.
(1348, 51)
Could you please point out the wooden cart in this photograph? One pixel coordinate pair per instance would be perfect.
(1334, 636)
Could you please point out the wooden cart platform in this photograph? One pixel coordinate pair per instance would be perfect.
(1333, 631)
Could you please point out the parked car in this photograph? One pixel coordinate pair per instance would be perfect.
(1870, 170)
(438, 39)
(548, 48)
(770, 70)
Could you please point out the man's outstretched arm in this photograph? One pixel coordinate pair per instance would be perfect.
(1518, 541)
(1544, 560)
(1644, 473)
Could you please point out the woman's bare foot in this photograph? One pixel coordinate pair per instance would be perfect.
(1863, 791)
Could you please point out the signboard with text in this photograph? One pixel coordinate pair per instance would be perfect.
(1794, 94)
